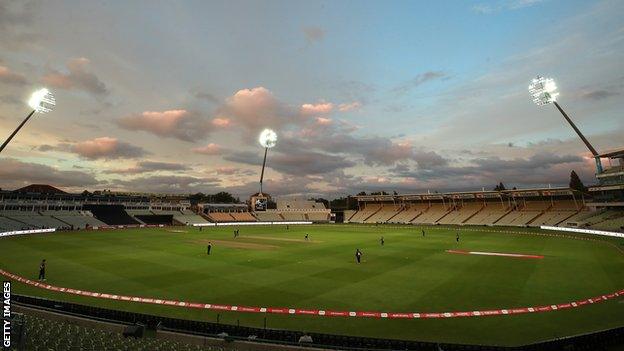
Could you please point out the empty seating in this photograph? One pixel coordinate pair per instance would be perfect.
(488, 215)
(386, 212)
(432, 214)
(459, 215)
(41, 333)
(361, 215)
(269, 216)
(409, 212)
(559, 212)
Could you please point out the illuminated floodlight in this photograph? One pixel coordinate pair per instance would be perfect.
(42, 101)
(268, 138)
(543, 90)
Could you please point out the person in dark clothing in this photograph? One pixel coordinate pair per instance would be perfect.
(358, 255)
(208, 248)
(287, 227)
(381, 241)
(200, 228)
(307, 237)
(457, 237)
(42, 268)
(423, 232)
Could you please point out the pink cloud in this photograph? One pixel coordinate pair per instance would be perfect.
(77, 77)
(221, 122)
(349, 106)
(324, 121)
(9, 77)
(106, 147)
(180, 124)
(321, 108)
(253, 109)
(210, 149)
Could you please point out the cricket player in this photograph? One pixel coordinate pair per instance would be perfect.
(42, 268)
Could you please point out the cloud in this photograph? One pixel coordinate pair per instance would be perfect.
(11, 78)
(207, 97)
(299, 163)
(15, 174)
(210, 149)
(228, 170)
(255, 109)
(599, 94)
(419, 80)
(324, 121)
(504, 5)
(106, 148)
(76, 78)
(349, 106)
(539, 169)
(16, 18)
(169, 184)
(221, 122)
(150, 166)
(321, 108)
(313, 34)
(178, 124)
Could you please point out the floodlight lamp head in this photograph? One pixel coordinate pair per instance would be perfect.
(42, 101)
(543, 90)
(268, 138)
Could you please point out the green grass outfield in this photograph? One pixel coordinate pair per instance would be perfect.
(271, 266)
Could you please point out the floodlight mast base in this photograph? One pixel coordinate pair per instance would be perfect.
(6, 142)
(266, 149)
(578, 132)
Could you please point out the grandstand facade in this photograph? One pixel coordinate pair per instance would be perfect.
(43, 206)
(527, 207)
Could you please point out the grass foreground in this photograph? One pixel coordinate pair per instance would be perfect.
(274, 266)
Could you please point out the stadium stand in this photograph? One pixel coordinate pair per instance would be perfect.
(223, 213)
(243, 217)
(33, 219)
(348, 214)
(461, 213)
(293, 215)
(111, 214)
(269, 216)
(386, 212)
(294, 210)
(317, 216)
(363, 214)
(41, 333)
(489, 214)
(409, 213)
(76, 219)
(524, 212)
(557, 213)
(220, 217)
(81, 327)
(526, 207)
(433, 214)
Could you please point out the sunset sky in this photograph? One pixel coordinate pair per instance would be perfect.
(364, 95)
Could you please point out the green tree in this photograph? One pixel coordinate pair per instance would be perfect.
(576, 183)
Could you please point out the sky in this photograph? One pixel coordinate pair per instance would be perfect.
(406, 96)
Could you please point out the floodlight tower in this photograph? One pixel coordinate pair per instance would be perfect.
(544, 91)
(41, 101)
(268, 139)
